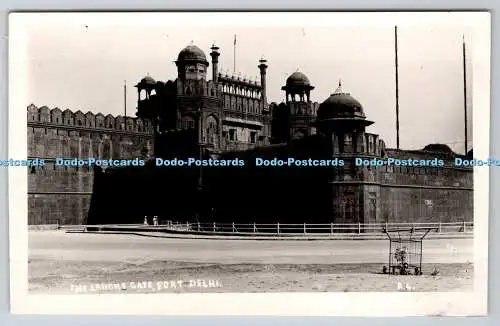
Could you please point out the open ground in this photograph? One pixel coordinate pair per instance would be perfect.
(64, 263)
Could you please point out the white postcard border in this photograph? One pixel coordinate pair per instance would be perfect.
(285, 304)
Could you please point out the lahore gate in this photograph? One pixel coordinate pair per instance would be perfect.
(229, 117)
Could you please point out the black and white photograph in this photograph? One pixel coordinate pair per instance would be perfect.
(249, 163)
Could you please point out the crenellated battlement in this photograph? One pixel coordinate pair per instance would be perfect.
(52, 134)
(89, 120)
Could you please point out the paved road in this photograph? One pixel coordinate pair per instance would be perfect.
(57, 245)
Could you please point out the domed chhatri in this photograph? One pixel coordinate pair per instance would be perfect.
(297, 84)
(147, 83)
(192, 53)
(340, 105)
(148, 80)
(298, 79)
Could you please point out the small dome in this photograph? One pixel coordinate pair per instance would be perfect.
(192, 53)
(438, 148)
(148, 80)
(297, 79)
(340, 105)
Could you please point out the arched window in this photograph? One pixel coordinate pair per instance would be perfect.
(212, 130)
(348, 211)
(372, 209)
(348, 140)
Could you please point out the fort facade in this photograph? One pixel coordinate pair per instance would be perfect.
(230, 117)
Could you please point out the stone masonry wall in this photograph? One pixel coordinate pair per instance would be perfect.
(61, 194)
(412, 194)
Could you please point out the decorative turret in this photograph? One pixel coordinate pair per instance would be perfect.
(297, 85)
(300, 108)
(215, 62)
(341, 112)
(146, 89)
(192, 63)
(263, 69)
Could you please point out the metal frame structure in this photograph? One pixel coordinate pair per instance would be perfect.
(405, 250)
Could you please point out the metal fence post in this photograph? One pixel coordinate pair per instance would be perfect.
(187, 226)
(331, 228)
(198, 226)
(359, 228)
(234, 229)
(254, 228)
(305, 228)
(464, 226)
(278, 227)
(215, 229)
(439, 227)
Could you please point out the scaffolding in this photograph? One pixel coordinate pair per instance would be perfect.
(405, 250)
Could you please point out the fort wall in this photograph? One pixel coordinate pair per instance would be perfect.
(61, 194)
(399, 194)
(416, 194)
(412, 194)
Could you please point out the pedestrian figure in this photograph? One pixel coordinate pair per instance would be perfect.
(145, 220)
(155, 220)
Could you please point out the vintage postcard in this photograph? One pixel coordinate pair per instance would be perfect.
(222, 163)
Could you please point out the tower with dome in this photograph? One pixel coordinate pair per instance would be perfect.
(224, 113)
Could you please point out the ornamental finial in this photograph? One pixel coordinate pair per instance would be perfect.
(339, 88)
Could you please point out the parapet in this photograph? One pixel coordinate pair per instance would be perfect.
(440, 151)
(78, 119)
(236, 80)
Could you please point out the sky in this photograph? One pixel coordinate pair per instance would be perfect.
(81, 62)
